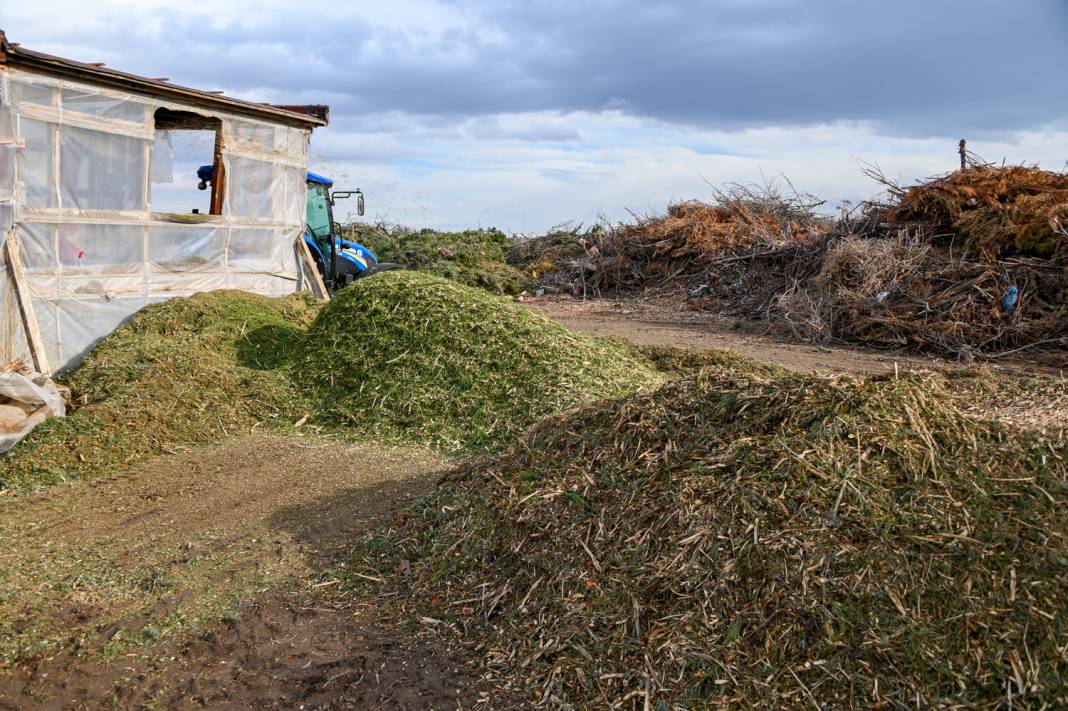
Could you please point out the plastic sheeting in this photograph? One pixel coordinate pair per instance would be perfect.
(12, 337)
(75, 199)
(24, 404)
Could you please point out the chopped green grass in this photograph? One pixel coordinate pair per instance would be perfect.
(413, 355)
(401, 355)
(677, 361)
(471, 257)
(758, 539)
(183, 372)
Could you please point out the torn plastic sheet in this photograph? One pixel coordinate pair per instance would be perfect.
(26, 402)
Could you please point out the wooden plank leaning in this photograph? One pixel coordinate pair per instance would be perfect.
(319, 290)
(13, 256)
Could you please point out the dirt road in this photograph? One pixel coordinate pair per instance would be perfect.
(663, 322)
(197, 581)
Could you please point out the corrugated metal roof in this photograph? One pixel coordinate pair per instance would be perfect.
(14, 55)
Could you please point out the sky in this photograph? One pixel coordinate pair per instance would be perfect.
(527, 115)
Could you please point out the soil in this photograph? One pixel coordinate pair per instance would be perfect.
(285, 652)
(666, 321)
(234, 538)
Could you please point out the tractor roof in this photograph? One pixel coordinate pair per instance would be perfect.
(205, 172)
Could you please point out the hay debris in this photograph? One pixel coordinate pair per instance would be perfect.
(757, 540)
(183, 372)
(15, 366)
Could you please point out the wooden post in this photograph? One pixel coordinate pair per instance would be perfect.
(218, 175)
(318, 285)
(13, 256)
(963, 155)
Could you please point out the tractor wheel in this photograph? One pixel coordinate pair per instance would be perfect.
(380, 267)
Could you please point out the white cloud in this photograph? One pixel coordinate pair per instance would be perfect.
(622, 163)
(456, 113)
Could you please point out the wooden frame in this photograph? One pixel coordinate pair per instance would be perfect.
(15, 55)
(12, 253)
(166, 119)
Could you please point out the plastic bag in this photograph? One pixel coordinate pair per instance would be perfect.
(25, 403)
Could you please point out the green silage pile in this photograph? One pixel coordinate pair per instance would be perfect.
(401, 355)
(470, 257)
(414, 355)
(182, 372)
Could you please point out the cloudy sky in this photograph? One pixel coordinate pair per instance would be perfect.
(525, 114)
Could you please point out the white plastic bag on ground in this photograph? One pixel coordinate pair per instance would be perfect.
(24, 404)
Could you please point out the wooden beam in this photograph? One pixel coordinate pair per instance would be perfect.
(22, 58)
(319, 111)
(218, 175)
(317, 283)
(13, 255)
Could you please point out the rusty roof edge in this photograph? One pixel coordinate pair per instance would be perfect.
(16, 56)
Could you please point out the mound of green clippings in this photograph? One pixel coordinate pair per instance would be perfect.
(752, 538)
(411, 354)
(403, 355)
(182, 372)
(471, 257)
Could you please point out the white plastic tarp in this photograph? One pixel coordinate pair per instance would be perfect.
(24, 404)
(75, 201)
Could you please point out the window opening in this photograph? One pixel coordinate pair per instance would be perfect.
(187, 169)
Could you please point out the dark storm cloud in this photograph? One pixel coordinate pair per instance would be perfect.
(919, 68)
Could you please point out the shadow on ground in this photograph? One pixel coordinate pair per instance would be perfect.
(296, 643)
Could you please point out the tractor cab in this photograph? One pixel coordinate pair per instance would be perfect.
(340, 261)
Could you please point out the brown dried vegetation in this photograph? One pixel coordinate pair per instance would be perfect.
(927, 271)
(749, 538)
(994, 210)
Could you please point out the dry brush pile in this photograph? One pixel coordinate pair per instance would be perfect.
(970, 264)
(674, 248)
(994, 211)
(756, 539)
(974, 263)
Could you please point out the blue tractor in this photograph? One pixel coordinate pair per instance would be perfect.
(340, 261)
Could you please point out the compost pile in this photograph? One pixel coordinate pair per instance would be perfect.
(974, 263)
(182, 372)
(675, 248)
(759, 539)
(970, 264)
(471, 257)
(413, 355)
(402, 355)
